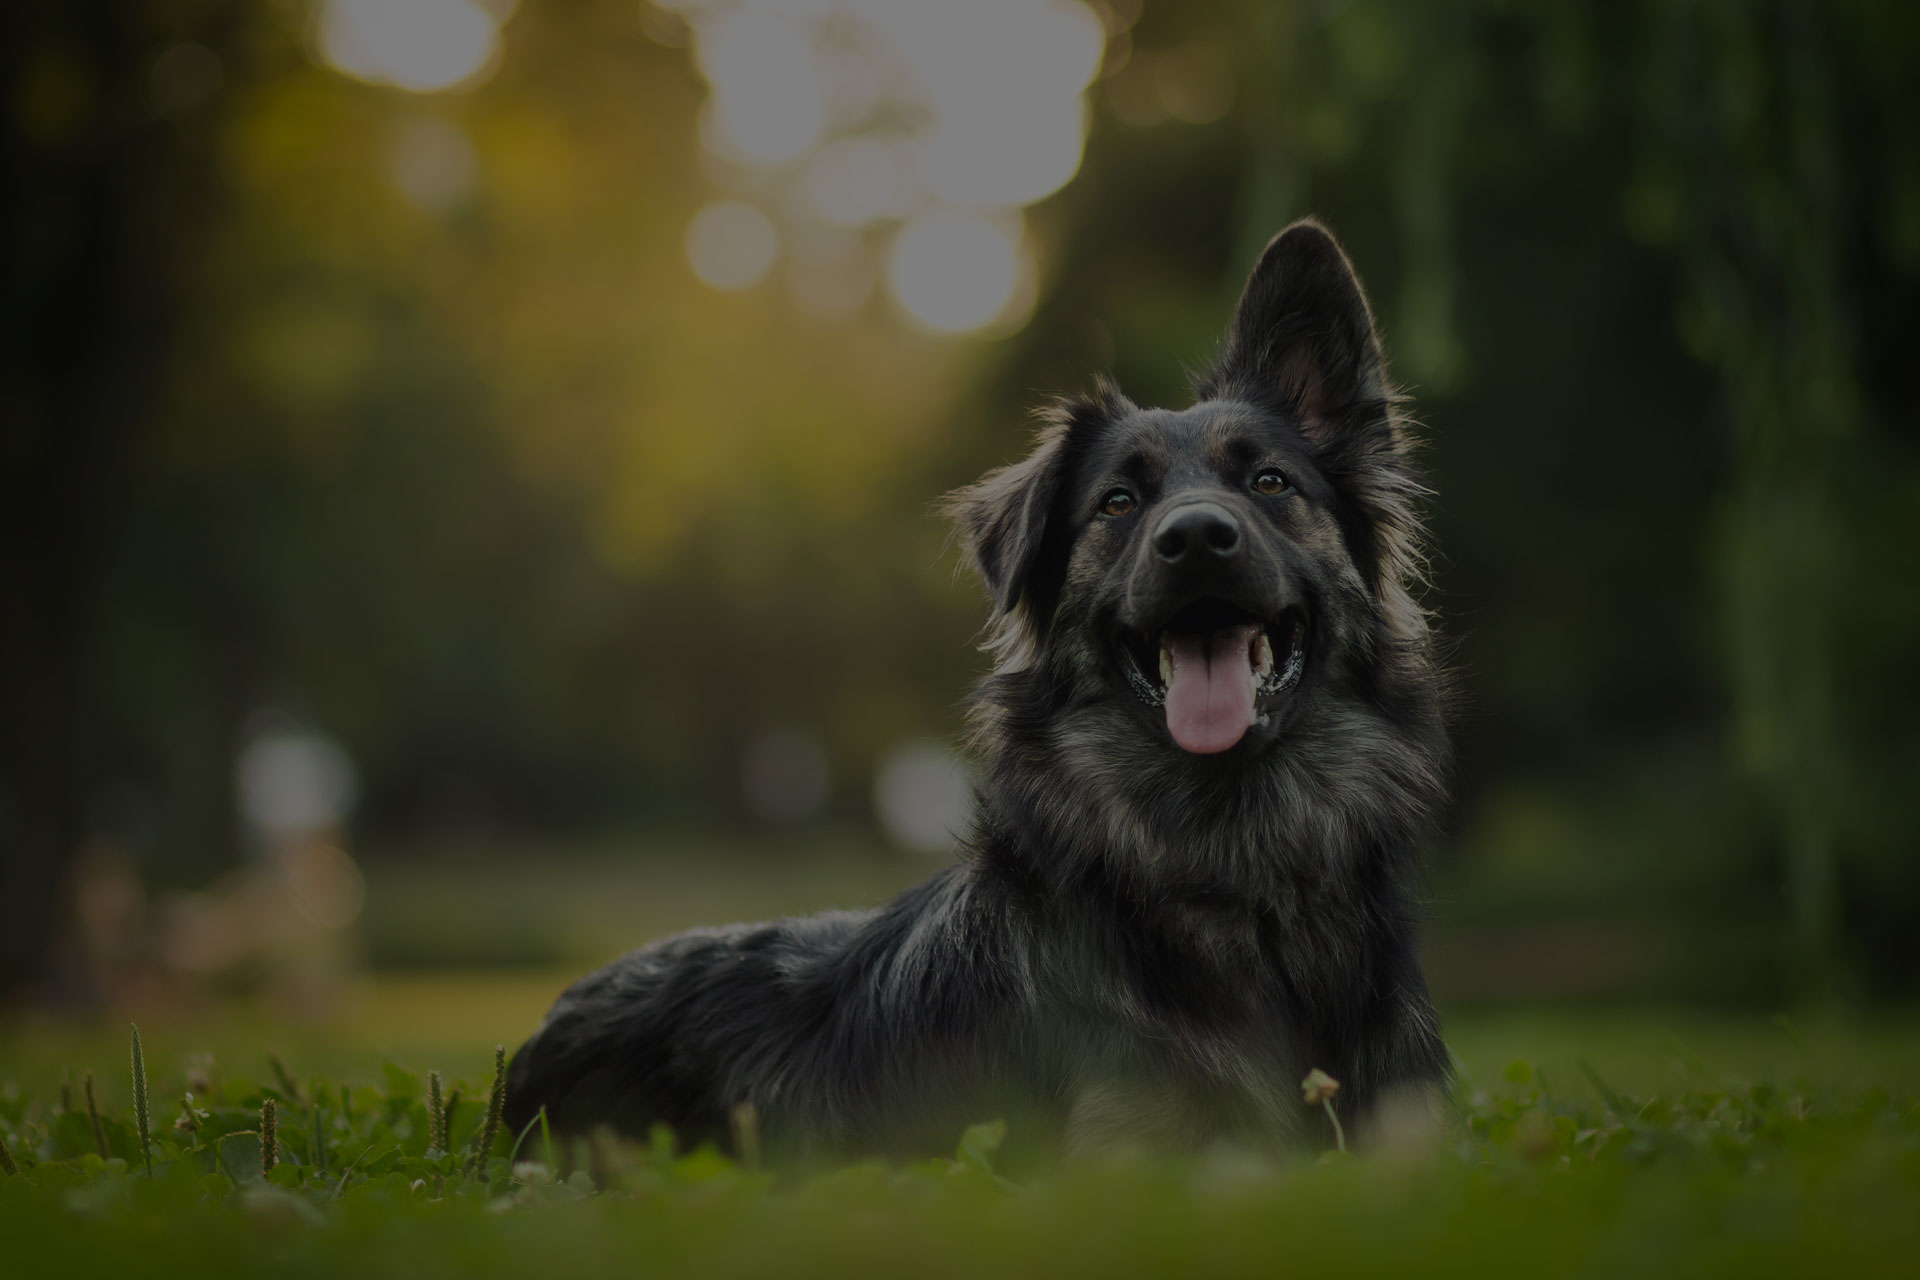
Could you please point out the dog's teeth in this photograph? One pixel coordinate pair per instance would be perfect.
(1262, 655)
(1166, 662)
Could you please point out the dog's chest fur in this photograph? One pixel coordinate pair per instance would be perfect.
(1192, 1017)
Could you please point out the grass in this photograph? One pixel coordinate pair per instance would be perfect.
(1624, 1142)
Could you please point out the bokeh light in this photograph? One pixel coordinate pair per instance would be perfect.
(419, 45)
(767, 105)
(931, 125)
(1003, 153)
(291, 780)
(923, 796)
(731, 244)
(953, 272)
(856, 181)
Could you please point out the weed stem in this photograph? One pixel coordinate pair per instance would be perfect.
(1339, 1134)
(496, 1108)
(142, 1105)
(269, 1137)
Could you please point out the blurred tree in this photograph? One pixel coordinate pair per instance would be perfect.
(1628, 258)
(103, 154)
(1744, 179)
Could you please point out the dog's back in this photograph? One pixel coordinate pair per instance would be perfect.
(844, 1031)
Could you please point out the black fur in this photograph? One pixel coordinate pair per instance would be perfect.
(1138, 944)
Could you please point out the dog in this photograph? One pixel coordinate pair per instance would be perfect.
(1212, 744)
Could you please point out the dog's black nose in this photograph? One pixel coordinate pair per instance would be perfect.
(1197, 533)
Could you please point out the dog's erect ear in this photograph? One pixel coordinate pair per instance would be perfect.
(1303, 339)
(1303, 333)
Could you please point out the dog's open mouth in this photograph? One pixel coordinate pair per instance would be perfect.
(1217, 670)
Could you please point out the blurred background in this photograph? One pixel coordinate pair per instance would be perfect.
(466, 465)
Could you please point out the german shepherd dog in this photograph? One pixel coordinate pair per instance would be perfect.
(1212, 745)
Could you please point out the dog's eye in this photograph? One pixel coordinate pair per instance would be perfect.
(1270, 481)
(1117, 503)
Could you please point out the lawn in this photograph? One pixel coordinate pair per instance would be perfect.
(1591, 1143)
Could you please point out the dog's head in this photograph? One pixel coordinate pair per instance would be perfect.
(1212, 571)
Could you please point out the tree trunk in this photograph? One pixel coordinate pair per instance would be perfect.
(107, 183)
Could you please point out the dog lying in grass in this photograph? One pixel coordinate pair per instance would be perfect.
(1212, 746)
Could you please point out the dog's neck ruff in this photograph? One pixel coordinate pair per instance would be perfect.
(1073, 785)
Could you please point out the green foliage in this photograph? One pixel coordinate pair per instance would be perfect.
(1751, 1177)
(980, 1143)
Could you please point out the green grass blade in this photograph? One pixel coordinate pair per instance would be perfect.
(288, 1087)
(142, 1104)
(93, 1118)
(539, 1117)
(143, 1112)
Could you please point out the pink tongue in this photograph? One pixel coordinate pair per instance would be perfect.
(1210, 694)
